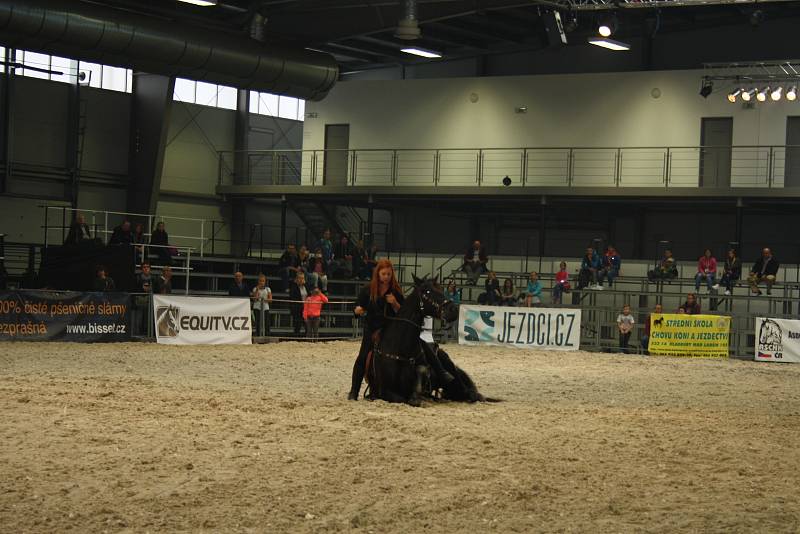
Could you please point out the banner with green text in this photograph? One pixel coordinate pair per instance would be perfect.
(699, 336)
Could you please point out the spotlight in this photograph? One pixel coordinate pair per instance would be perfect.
(776, 94)
(705, 90)
(732, 96)
(607, 25)
(761, 96)
(791, 93)
(747, 96)
(604, 30)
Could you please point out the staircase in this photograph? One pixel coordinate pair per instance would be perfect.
(316, 217)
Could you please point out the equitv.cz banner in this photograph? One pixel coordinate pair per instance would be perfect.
(28, 315)
(700, 336)
(527, 328)
(202, 320)
(777, 340)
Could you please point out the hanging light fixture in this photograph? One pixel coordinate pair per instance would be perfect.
(732, 96)
(747, 96)
(761, 96)
(776, 94)
(791, 93)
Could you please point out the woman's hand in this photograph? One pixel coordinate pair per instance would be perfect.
(391, 299)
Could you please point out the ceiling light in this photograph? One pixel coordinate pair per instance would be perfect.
(791, 93)
(747, 96)
(732, 96)
(609, 43)
(204, 3)
(761, 96)
(421, 52)
(604, 30)
(706, 89)
(776, 94)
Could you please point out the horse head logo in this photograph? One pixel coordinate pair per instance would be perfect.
(167, 321)
(770, 333)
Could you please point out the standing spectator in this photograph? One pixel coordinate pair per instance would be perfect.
(666, 268)
(160, 238)
(359, 259)
(452, 293)
(144, 280)
(533, 293)
(507, 296)
(122, 234)
(318, 271)
(731, 272)
(238, 288)
(163, 285)
(78, 231)
(562, 283)
(625, 324)
(298, 294)
(475, 261)
(144, 284)
(590, 270)
(289, 265)
(492, 295)
(691, 306)
(103, 282)
(343, 258)
(706, 270)
(312, 311)
(139, 240)
(764, 270)
(261, 295)
(327, 247)
(610, 266)
(658, 310)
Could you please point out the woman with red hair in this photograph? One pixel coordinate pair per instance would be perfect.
(380, 299)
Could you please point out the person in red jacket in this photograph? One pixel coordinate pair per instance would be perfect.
(706, 270)
(312, 309)
(562, 283)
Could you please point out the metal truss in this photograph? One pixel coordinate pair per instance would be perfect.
(753, 71)
(608, 5)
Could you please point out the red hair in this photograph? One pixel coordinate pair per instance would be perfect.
(373, 284)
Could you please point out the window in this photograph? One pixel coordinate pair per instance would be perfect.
(40, 62)
(301, 110)
(66, 67)
(2, 58)
(114, 78)
(285, 107)
(205, 94)
(184, 90)
(62, 69)
(93, 73)
(226, 98)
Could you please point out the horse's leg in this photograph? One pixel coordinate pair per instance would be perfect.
(462, 388)
(420, 373)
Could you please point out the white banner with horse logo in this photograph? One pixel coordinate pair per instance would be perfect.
(202, 320)
(777, 340)
(527, 328)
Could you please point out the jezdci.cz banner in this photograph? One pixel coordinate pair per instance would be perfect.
(528, 328)
(202, 320)
(27, 315)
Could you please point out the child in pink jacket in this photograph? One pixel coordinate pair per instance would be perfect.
(312, 309)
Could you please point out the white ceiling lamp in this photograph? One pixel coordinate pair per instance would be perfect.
(732, 96)
(204, 3)
(747, 96)
(422, 53)
(791, 93)
(776, 94)
(604, 30)
(761, 96)
(609, 43)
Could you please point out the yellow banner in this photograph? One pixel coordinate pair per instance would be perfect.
(699, 336)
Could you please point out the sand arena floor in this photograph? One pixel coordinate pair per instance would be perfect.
(140, 437)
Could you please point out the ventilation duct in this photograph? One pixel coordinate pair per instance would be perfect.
(408, 26)
(104, 35)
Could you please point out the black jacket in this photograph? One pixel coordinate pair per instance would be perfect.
(121, 237)
(295, 294)
(236, 291)
(771, 268)
(378, 310)
(77, 233)
(159, 238)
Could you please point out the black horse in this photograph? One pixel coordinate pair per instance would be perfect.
(403, 368)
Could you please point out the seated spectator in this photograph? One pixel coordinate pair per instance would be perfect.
(681, 310)
(562, 283)
(160, 238)
(103, 282)
(298, 294)
(475, 261)
(658, 310)
(312, 310)
(590, 270)
(163, 285)
(492, 295)
(342, 265)
(78, 231)
(327, 247)
(666, 268)
(764, 270)
(507, 296)
(706, 271)
(303, 256)
(691, 306)
(731, 272)
(609, 267)
(289, 265)
(625, 324)
(533, 292)
(238, 288)
(452, 293)
(121, 235)
(318, 271)
(261, 295)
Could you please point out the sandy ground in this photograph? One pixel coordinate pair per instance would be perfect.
(140, 437)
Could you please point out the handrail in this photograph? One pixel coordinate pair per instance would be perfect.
(448, 260)
(557, 147)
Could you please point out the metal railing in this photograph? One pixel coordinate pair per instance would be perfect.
(706, 166)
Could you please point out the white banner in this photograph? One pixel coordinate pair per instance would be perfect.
(528, 328)
(777, 340)
(202, 320)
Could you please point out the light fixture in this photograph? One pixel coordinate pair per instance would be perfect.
(776, 94)
(609, 43)
(761, 96)
(204, 3)
(732, 96)
(706, 88)
(747, 96)
(422, 53)
(604, 30)
(791, 93)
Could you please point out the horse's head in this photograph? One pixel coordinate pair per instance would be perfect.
(432, 300)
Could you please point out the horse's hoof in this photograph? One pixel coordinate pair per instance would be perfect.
(353, 396)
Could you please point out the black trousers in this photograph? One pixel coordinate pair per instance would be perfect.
(624, 339)
(361, 362)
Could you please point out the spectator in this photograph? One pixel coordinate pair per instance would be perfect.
(731, 272)
(327, 247)
(144, 280)
(658, 310)
(163, 284)
(103, 282)
(475, 261)
(238, 288)
(507, 296)
(691, 306)
(362, 264)
(312, 310)
(533, 293)
(160, 238)
(303, 256)
(343, 258)
(562, 283)
(492, 285)
(681, 310)
(452, 293)
(666, 268)
(122, 234)
(78, 231)
(298, 294)
(610, 266)
(706, 270)
(139, 240)
(764, 270)
(289, 265)
(625, 324)
(261, 295)
(589, 274)
(144, 284)
(318, 271)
